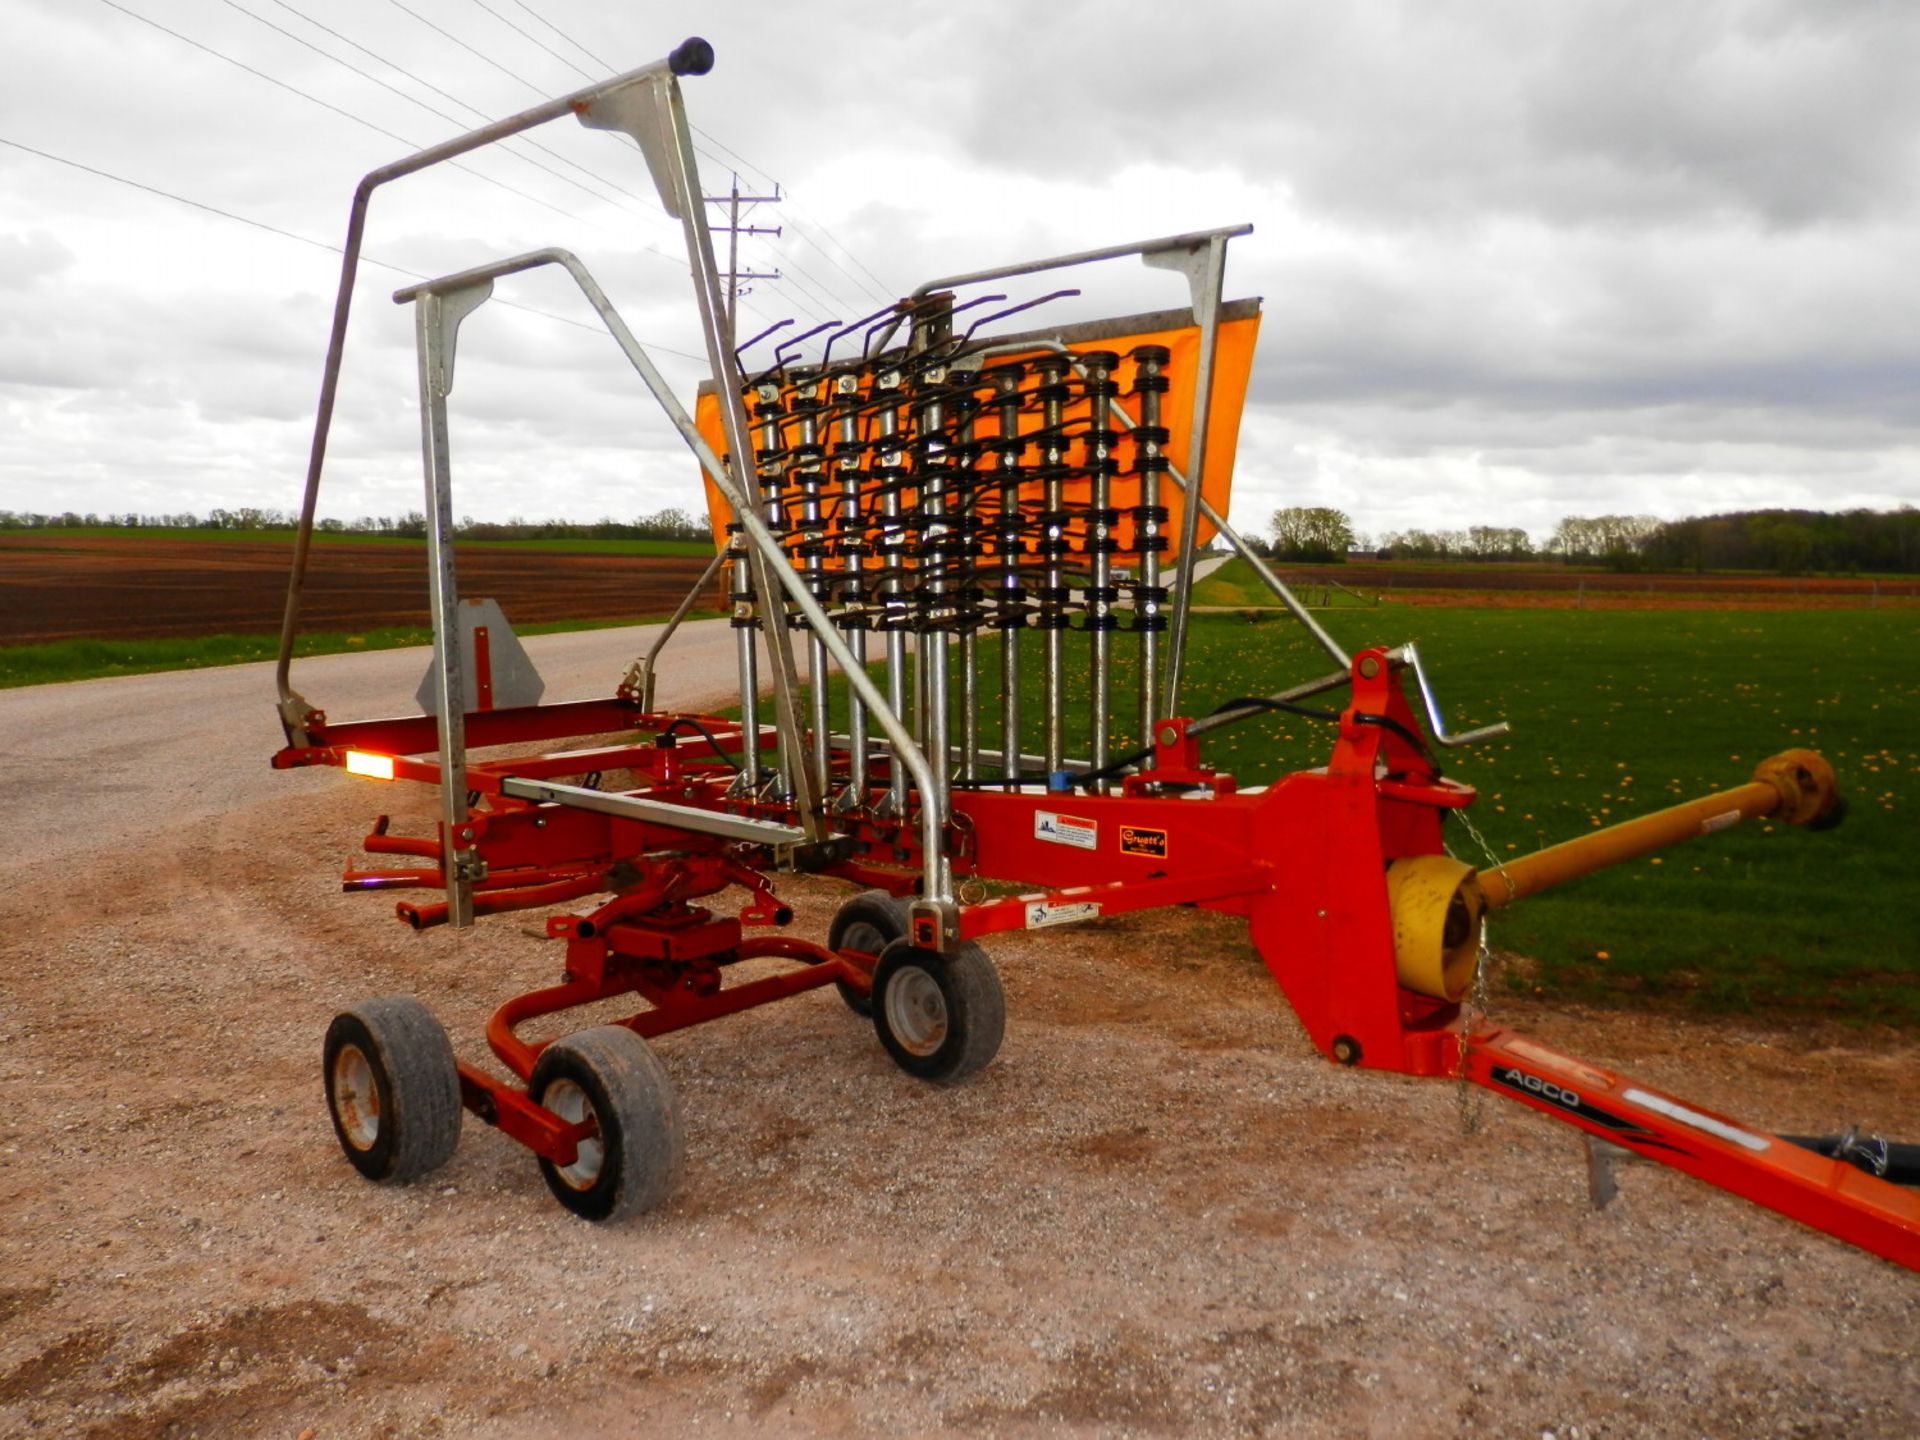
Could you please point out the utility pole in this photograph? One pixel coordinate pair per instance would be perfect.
(733, 200)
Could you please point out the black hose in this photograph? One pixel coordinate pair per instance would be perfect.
(705, 734)
(1252, 704)
(1888, 1159)
(1001, 782)
(1261, 702)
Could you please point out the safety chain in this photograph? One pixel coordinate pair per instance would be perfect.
(1494, 862)
(1474, 1010)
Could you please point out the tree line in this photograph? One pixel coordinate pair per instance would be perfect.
(670, 523)
(1788, 542)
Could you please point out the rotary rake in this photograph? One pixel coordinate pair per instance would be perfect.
(991, 537)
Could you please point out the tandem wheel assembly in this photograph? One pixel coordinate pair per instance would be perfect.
(598, 1109)
(394, 1091)
(941, 1017)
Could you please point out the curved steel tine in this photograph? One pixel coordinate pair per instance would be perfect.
(1014, 310)
(827, 354)
(780, 353)
(740, 350)
(976, 301)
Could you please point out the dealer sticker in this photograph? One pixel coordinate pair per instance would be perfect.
(1066, 830)
(1040, 913)
(1143, 840)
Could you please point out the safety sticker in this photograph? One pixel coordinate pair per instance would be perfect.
(1722, 821)
(1040, 913)
(1141, 840)
(1066, 830)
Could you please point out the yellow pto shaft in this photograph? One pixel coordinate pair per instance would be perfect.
(1796, 786)
(1437, 901)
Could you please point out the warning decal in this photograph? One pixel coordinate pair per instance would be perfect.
(1142, 840)
(1066, 830)
(1040, 913)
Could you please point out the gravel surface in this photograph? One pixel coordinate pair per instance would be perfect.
(1157, 1213)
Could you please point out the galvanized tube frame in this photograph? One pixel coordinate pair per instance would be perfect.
(938, 886)
(691, 57)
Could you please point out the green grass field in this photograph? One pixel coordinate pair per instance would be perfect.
(1616, 713)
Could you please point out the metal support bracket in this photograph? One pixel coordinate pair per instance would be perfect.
(1205, 266)
(1602, 1157)
(437, 317)
(637, 111)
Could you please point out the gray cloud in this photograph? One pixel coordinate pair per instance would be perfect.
(1417, 114)
(1599, 256)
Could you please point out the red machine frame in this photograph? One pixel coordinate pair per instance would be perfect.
(1315, 899)
(1340, 872)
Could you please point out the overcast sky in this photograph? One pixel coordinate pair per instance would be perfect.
(1519, 260)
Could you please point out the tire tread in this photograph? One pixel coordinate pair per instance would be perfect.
(423, 1086)
(645, 1108)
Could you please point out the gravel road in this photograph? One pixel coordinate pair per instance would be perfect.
(101, 763)
(1157, 1213)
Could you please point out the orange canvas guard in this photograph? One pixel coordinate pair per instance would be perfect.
(1233, 363)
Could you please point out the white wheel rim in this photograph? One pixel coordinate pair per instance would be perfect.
(916, 1011)
(570, 1103)
(356, 1098)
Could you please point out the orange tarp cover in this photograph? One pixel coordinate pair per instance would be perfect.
(1233, 362)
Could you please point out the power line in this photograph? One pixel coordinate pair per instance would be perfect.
(393, 89)
(821, 292)
(564, 36)
(447, 34)
(427, 84)
(884, 293)
(305, 239)
(829, 304)
(326, 105)
(198, 204)
(879, 288)
(584, 74)
(403, 140)
(479, 54)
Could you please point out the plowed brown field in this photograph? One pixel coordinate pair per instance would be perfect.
(58, 587)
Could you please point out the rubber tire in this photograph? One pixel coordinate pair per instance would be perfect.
(976, 1009)
(632, 1098)
(416, 1083)
(875, 910)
